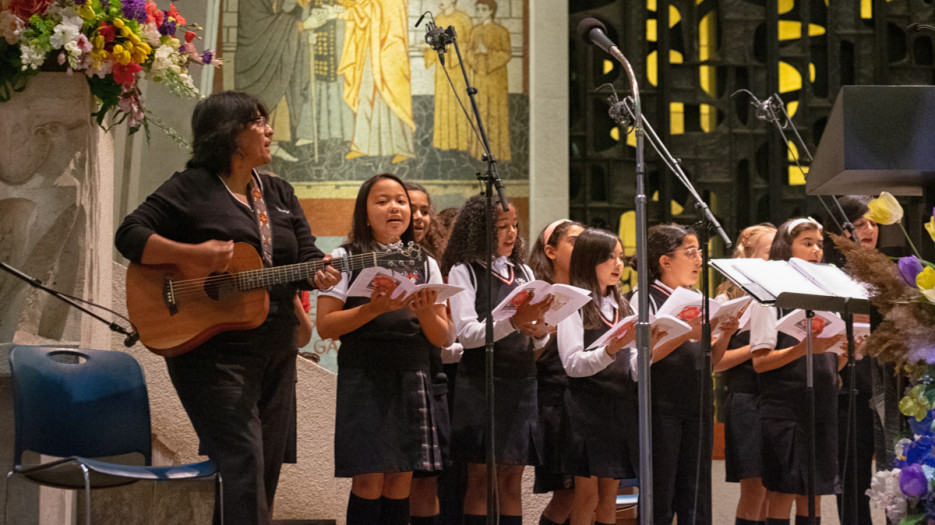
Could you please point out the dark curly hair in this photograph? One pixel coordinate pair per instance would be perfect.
(466, 243)
(543, 267)
(663, 239)
(360, 239)
(593, 247)
(216, 123)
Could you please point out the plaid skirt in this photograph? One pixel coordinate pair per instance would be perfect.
(385, 422)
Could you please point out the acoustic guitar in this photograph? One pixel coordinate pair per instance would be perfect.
(174, 313)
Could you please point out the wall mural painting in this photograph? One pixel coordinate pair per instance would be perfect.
(354, 90)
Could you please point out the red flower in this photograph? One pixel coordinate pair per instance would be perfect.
(152, 12)
(126, 74)
(189, 36)
(107, 31)
(174, 13)
(26, 8)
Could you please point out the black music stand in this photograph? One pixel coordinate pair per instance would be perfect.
(767, 293)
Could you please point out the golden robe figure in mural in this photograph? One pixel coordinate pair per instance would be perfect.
(450, 129)
(377, 84)
(487, 56)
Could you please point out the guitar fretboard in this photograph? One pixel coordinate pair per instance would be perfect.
(266, 277)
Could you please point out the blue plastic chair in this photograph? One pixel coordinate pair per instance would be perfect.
(81, 405)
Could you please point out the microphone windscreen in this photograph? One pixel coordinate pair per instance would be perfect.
(585, 27)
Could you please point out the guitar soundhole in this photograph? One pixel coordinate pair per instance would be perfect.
(220, 286)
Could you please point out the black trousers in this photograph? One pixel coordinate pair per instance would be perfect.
(681, 486)
(864, 452)
(239, 395)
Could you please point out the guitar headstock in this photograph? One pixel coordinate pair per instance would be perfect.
(402, 258)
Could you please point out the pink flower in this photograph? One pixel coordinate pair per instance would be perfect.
(174, 13)
(189, 36)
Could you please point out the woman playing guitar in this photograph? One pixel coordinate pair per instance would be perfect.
(236, 386)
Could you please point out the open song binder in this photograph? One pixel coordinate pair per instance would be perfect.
(774, 283)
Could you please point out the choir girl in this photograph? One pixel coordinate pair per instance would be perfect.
(781, 363)
(384, 427)
(743, 461)
(550, 259)
(423, 498)
(682, 426)
(601, 399)
(517, 435)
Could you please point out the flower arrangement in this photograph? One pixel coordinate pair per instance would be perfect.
(903, 292)
(114, 43)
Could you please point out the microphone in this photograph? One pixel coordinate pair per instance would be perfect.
(435, 36)
(593, 31)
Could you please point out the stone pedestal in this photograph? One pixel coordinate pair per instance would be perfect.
(56, 225)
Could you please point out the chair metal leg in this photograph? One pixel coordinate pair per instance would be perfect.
(6, 497)
(220, 495)
(87, 494)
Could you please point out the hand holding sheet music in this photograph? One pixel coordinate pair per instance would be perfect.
(566, 300)
(399, 286)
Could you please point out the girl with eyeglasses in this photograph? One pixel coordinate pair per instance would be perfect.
(681, 418)
(780, 360)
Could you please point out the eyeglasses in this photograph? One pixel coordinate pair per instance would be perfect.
(260, 121)
(691, 253)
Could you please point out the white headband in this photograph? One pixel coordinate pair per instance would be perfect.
(797, 222)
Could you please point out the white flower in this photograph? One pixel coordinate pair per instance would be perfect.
(66, 31)
(31, 57)
(884, 492)
(11, 27)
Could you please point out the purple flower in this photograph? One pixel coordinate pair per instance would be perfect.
(912, 481)
(168, 26)
(207, 57)
(909, 268)
(135, 10)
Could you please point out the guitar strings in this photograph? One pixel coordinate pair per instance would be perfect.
(258, 278)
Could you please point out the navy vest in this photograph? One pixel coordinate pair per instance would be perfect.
(513, 355)
(393, 340)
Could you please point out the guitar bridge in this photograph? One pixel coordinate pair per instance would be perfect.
(168, 295)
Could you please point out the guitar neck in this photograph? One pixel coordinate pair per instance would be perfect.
(266, 277)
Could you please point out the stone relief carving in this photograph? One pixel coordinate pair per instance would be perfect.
(47, 186)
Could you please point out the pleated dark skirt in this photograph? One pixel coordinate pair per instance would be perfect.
(385, 422)
(602, 435)
(517, 437)
(550, 474)
(743, 459)
(785, 456)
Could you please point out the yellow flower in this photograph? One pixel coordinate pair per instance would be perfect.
(121, 55)
(930, 227)
(98, 41)
(925, 281)
(86, 11)
(118, 23)
(884, 209)
(133, 38)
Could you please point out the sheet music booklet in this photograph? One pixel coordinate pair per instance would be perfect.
(566, 300)
(373, 277)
